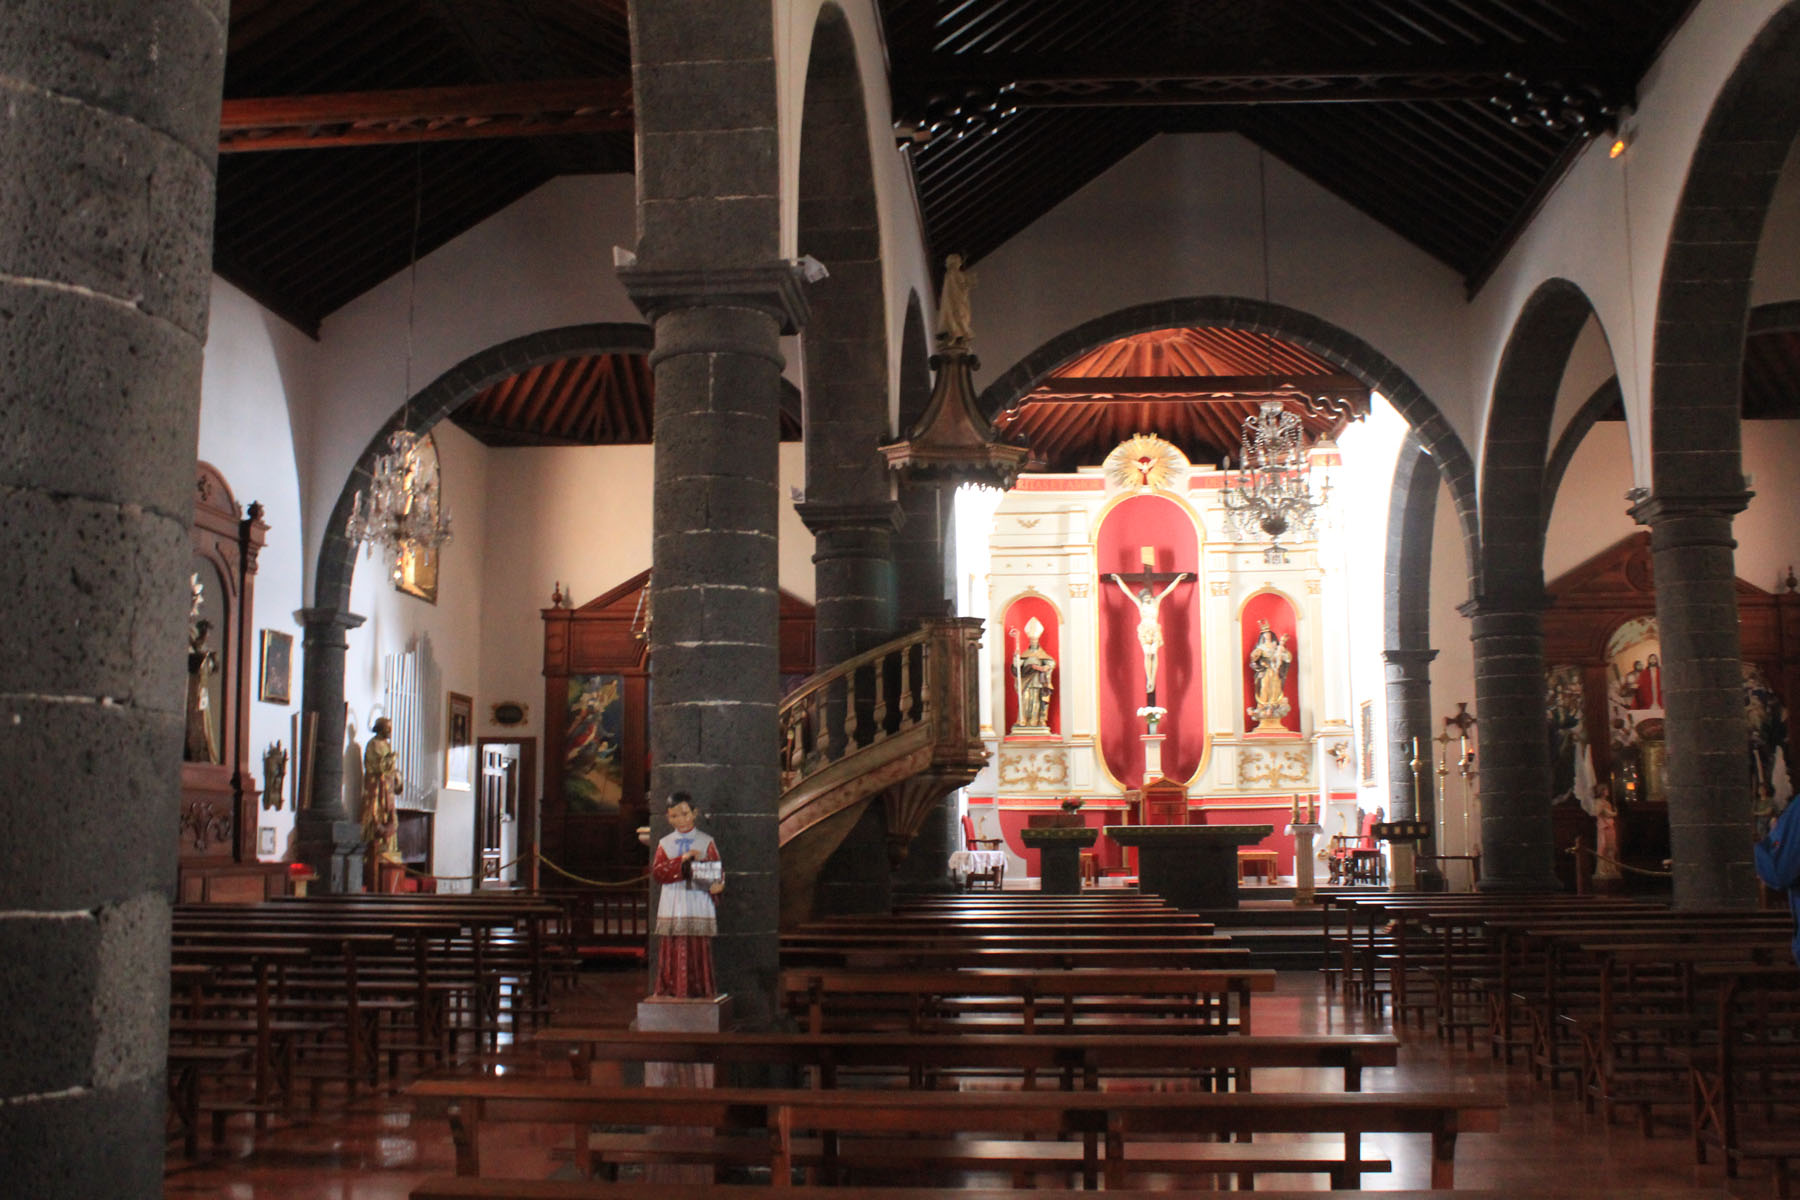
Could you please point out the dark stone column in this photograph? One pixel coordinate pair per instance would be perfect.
(1710, 827)
(1513, 755)
(714, 644)
(109, 134)
(328, 832)
(926, 578)
(1409, 717)
(854, 606)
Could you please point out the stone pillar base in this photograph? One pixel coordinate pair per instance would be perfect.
(333, 847)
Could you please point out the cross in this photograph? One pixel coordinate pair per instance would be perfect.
(1147, 574)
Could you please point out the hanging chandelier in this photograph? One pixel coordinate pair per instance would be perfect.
(1272, 493)
(402, 510)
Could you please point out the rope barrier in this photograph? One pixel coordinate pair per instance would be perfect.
(1578, 848)
(634, 881)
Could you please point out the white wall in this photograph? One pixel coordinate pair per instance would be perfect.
(581, 516)
(543, 262)
(1590, 365)
(252, 385)
(1179, 217)
(1453, 671)
(447, 635)
(1590, 515)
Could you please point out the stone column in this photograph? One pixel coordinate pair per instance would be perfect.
(714, 645)
(1512, 751)
(1710, 829)
(109, 134)
(855, 603)
(328, 830)
(1409, 716)
(926, 580)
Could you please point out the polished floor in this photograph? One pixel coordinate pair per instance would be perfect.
(375, 1150)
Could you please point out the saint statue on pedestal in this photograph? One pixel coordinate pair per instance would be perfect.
(688, 867)
(1149, 630)
(1269, 662)
(380, 786)
(1032, 669)
(955, 330)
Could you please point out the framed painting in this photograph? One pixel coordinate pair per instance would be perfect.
(275, 681)
(459, 744)
(593, 777)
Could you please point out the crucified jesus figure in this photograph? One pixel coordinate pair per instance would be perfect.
(1149, 630)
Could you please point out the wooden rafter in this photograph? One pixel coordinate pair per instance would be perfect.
(504, 110)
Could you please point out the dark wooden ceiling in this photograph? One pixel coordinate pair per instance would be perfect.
(1192, 386)
(1446, 120)
(306, 231)
(591, 400)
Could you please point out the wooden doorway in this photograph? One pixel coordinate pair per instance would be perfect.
(506, 811)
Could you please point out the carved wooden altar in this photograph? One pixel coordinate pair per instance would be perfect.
(217, 831)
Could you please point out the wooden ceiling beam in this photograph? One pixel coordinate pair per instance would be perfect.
(506, 110)
(1182, 386)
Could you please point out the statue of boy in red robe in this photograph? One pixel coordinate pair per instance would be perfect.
(687, 866)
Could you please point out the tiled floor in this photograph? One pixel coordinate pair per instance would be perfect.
(374, 1150)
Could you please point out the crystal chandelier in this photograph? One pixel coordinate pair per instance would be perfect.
(1271, 494)
(403, 507)
(402, 511)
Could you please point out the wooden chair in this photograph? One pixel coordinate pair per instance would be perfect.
(995, 875)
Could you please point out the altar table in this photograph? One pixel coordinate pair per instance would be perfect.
(1190, 866)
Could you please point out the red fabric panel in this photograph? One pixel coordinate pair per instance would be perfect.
(1156, 521)
(1278, 611)
(1017, 613)
(1253, 813)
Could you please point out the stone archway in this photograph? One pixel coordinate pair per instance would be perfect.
(1702, 313)
(849, 497)
(1506, 611)
(328, 834)
(1335, 345)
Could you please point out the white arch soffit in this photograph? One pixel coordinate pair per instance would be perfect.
(904, 267)
(1580, 232)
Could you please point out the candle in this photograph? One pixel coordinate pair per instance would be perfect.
(1296, 816)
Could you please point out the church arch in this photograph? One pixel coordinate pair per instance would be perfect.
(845, 344)
(1330, 342)
(437, 400)
(1696, 459)
(1406, 620)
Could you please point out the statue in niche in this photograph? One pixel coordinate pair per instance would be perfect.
(1149, 630)
(1270, 660)
(688, 867)
(1032, 669)
(1606, 833)
(380, 787)
(202, 742)
(955, 332)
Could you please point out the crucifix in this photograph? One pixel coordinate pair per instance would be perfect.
(1149, 630)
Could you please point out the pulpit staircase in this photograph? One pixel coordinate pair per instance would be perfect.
(898, 726)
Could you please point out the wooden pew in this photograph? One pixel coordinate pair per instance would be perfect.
(458, 1187)
(1751, 1066)
(1216, 953)
(1121, 1132)
(1077, 1060)
(1201, 1000)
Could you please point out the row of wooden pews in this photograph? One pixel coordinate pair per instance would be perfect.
(1693, 1016)
(272, 1000)
(973, 1036)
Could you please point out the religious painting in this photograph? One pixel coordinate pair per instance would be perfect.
(1766, 716)
(416, 572)
(459, 744)
(593, 777)
(1571, 770)
(274, 682)
(1032, 629)
(1634, 710)
(1271, 674)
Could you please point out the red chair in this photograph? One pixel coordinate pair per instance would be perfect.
(994, 876)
